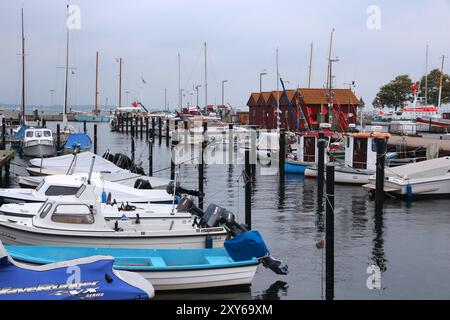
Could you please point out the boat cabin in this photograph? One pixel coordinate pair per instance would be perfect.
(361, 150)
(307, 150)
(38, 134)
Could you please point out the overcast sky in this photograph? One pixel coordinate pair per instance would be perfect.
(242, 38)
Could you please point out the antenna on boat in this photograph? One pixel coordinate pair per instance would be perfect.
(90, 170)
(426, 76)
(96, 84)
(66, 81)
(310, 65)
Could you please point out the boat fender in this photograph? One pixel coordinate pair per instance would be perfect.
(208, 242)
(409, 193)
(104, 199)
(108, 199)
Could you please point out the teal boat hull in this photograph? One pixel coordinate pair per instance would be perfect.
(91, 118)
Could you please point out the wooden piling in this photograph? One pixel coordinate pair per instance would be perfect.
(152, 133)
(95, 138)
(84, 126)
(320, 166)
(150, 157)
(58, 137)
(167, 132)
(282, 154)
(3, 147)
(142, 127)
(329, 234)
(379, 182)
(147, 129)
(160, 129)
(127, 118)
(248, 190)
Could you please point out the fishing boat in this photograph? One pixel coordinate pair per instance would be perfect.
(68, 186)
(77, 142)
(96, 280)
(38, 143)
(360, 158)
(426, 179)
(306, 153)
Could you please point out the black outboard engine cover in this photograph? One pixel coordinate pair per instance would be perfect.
(180, 190)
(187, 205)
(138, 170)
(142, 184)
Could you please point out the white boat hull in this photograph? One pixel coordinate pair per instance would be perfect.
(201, 278)
(187, 240)
(356, 178)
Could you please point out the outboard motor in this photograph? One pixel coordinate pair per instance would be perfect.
(180, 190)
(108, 156)
(142, 184)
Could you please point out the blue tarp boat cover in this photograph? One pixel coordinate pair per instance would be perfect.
(82, 279)
(78, 139)
(246, 246)
(19, 135)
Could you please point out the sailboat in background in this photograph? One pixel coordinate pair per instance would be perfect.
(29, 141)
(94, 115)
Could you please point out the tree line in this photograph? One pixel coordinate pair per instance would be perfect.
(396, 92)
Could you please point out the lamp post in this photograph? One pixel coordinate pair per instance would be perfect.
(223, 87)
(263, 73)
(196, 89)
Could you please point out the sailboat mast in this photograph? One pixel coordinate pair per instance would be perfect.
(440, 81)
(278, 94)
(120, 82)
(179, 83)
(206, 80)
(310, 65)
(96, 84)
(23, 72)
(426, 77)
(330, 76)
(66, 85)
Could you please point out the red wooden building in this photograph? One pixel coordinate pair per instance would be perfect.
(309, 108)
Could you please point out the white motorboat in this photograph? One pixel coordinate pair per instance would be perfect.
(81, 163)
(430, 178)
(89, 222)
(38, 143)
(69, 185)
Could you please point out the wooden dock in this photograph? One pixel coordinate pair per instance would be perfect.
(5, 161)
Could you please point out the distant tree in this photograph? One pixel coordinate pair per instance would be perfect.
(433, 87)
(395, 93)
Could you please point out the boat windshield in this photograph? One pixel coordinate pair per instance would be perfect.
(73, 213)
(47, 133)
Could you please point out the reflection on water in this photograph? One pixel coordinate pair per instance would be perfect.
(291, 220)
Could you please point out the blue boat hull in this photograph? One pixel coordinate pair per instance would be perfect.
(87, 279)
(294, 168)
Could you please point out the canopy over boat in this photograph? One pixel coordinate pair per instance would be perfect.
(78, 140)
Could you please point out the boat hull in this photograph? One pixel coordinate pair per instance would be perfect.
(343, 177)
(39, 151)
(91, 118)
(194, 240)
(295, 167)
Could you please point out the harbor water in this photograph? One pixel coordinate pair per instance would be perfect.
(409, 244)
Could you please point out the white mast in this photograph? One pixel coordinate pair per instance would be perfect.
(310, 65)
(23, 73)
(66, 79)
(206, 80)
(278, 95)
(426, 77)
(440, 82)
(180, 99)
